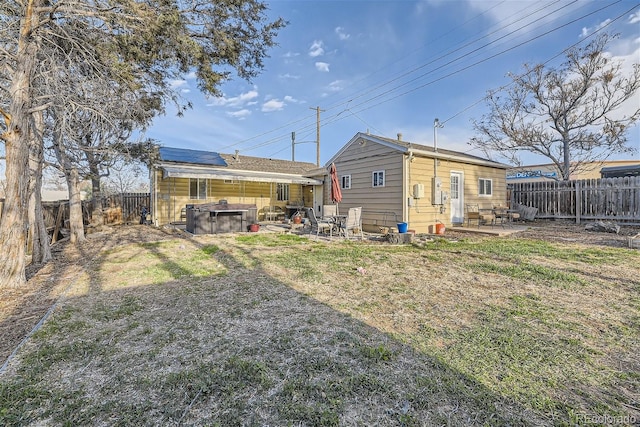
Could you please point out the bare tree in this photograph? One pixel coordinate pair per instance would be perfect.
(127, 177)
(570, 115)
(127, 41)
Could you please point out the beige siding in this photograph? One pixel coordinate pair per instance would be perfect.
(422, 216)
(173, 195)
(388, 205)
(382, 206)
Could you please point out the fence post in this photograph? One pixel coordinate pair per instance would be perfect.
(578, 201)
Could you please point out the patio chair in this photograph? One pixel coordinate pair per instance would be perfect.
(329, 211)
(318, 225)
(273, 213)
(473, 213)
(501, 214)
(353, 223)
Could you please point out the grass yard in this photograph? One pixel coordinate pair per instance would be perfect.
(268, 329)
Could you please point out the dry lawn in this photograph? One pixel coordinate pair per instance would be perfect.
(154, 328)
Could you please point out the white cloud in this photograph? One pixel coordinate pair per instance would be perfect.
(341, 34)
(586, 31)
(316, 49)
(634, 18)
(289, 76)
(336, 86)
(240, 114)
(291, 100)
(236, 101)
(290, 55)
(322, 66)
(272, 105)
(175, 84)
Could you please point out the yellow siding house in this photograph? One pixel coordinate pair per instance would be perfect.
(398, 181)
(180, 177)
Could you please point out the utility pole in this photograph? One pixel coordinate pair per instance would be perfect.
(293, 146)
(318, 110)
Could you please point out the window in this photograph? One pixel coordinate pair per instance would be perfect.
(345, 182)
(485, 187)
(455, 187)
(377, 179)
(282, 192)
(197, 188)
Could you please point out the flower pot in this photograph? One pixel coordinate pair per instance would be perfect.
(254, 228)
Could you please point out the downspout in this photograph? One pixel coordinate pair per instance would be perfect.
(407, 186)
(155, 195)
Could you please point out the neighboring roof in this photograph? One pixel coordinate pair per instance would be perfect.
(183, 163)
(182, 155)
(620, 171)
(421, 150)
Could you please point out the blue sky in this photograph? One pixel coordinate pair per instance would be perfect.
(389, 67)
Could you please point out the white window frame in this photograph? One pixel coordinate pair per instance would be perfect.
(482, 187)
(201, 187)
(345, 182)
(376, 177)
(282, 190)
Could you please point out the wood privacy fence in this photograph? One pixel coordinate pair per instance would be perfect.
(124, 207)
(118, 208)
(610, 199)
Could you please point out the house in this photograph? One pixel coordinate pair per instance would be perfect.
(397, 181)
(180, 177)
(587, 170)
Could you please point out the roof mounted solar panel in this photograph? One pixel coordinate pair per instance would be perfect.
(182, 155)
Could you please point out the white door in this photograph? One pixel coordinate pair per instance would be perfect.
(456, 196)
(317, 199)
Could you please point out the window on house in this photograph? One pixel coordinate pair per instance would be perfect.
(455, 187)
(345, 182)
(197, 188)
(485, 187)
(377, 179)
(282, 192)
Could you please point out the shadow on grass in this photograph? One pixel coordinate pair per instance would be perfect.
(240, 348)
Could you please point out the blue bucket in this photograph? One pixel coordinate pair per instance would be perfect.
(402, 227)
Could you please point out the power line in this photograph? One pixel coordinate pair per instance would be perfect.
(288, 125)
(337, 117)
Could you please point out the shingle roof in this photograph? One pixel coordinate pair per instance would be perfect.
(262, 164)
(410, 145)
(235, 162)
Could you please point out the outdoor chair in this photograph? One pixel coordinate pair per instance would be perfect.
(473, 213)
(353, 223)
(273, 213)
(501, 214)
(329, 211)
(318, 225)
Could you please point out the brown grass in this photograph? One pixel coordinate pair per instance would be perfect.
(277, 330)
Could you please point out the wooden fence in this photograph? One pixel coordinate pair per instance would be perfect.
(124, 207)
(609, 199)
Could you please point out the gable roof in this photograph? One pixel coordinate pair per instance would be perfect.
(185, 163)
(420, 150)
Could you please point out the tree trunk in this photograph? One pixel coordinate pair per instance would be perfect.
(76, 222)
(14, 219)
(566, 167)
(97, 215)
(38, 236)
